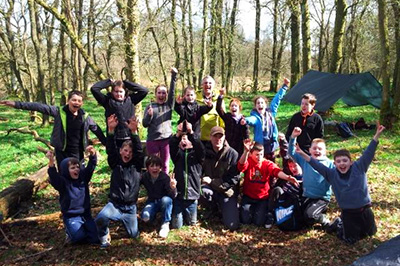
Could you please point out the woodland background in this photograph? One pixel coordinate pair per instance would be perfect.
(47, 46)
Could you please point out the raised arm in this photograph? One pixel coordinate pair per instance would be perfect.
(172, 85)
(220, 100)
(278, 97)
(368, 155)
(95, 128)
(148, 116)
(138, 92)
(55, 179)
(88, 171)
(111, 147)
(96, 90)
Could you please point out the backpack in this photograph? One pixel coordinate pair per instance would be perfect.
(288, 210)
(344, 130)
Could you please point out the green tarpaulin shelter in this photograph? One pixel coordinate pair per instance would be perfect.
(354, 89)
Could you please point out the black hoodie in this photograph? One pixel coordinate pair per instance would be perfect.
(125, 177)
(74, 193)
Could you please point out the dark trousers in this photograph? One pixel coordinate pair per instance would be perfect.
(356, 224)
(227, 205)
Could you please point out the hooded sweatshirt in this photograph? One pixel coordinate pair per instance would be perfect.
(315, 186)
(74, 193)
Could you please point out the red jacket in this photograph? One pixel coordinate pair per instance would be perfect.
(256, 178)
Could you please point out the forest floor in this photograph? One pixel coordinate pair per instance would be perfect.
(36, 235)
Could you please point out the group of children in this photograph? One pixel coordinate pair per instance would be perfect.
(207, 162)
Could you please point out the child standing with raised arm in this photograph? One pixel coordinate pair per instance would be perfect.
(349, 182)
(70, 135)
(262, 119)
(190, 110)
(236, 131)
(187, 153)
(126, 163)
(161, 190)
(157, 118)
(72, 183)
(256, 186)
(120, 103)
(316, 189)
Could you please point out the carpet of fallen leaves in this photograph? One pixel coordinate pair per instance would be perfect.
(37, 238)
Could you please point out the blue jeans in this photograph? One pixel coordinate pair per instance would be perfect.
(81, 229)
(163, 205)
(253, 211)
(184, 210)
(227, 205)
(115, 212)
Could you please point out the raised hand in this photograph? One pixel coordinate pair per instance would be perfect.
(296, 132)
(90, 150)
(189, 127)
(179, 99)
(379, 129)
(243, 121)
(222, 91)
(286, 81)
(174, 70)
(248, 144)
(133, 124)
(112, 122)
(50, 156)
(293, 180)
(208, 102)
(172, 182)
(150, 110)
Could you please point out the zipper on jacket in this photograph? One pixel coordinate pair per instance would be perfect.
(186, 175)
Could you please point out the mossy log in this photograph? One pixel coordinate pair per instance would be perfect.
(21, 190)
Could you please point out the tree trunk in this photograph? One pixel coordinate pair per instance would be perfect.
(157, 42)
(305, 32)
(185, 44)
(221, 40)
(74, 38)
(337, 47)
(213, 37)
(89, 39)
(175, 31)
(396, 13)
(204, 35)
(295, 42)
(191, 45)
(274, 67)
(386, 110)
(256, 46)
(36, 39)
(51, 68)
(231, 37)
(21, 190)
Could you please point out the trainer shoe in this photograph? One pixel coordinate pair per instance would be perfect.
(164, 230)
(270, 220)
(107, 242)
(334, 226)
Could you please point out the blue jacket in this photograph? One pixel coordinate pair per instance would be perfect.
(315, 186)
(269, 138)
(74, 193)
(351, 189)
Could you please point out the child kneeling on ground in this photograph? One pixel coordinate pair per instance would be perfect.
(126, 164)
(256, 186)
(349, 183)
(161, 190)
(72, 183)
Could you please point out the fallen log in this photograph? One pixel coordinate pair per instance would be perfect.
(21, 190)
